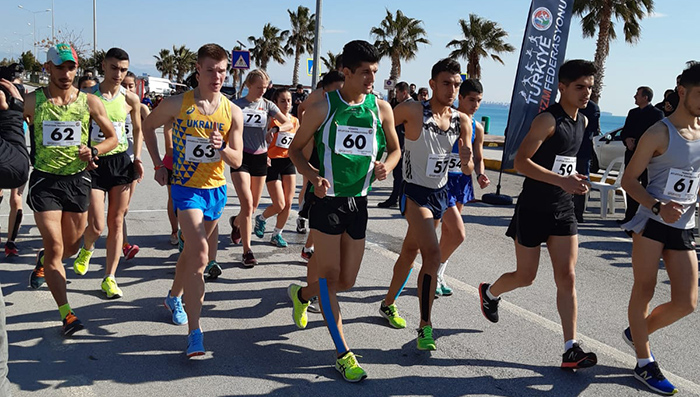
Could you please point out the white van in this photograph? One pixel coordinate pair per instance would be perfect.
(158, 85)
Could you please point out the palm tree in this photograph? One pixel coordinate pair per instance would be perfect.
(165, 63)
(329, 63)
(597, 15)
(481, 38)
(398, 38)
(184, 61)
(301, 39)
(268, 46)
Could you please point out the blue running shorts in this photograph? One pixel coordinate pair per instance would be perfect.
(210, 201)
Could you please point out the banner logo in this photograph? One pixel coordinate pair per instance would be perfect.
(542, 19)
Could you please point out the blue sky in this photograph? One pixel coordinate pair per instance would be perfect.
(144, 27)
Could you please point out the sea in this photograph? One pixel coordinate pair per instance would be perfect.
(498, 114)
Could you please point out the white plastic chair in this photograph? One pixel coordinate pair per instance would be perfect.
(607, 191)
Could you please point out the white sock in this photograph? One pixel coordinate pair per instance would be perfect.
(261, 217)
(277, 231)
(642, 362)
(441, 270)
(307, 250)
(569, 344)
(489, 295)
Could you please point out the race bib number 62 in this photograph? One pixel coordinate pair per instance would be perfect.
(358, 141)
(61, 133)
(200, 150)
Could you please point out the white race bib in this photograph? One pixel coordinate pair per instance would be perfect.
(129, 131)
(564, 165)
(455, 164)
(358, 141)
(200, 150)
(96, 134)
(61, 133)
(682, 185)
(254, 118)
(284, 139)
(437, 165)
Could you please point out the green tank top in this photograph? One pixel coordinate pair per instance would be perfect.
(58, 133)
(348, 142)
(116, 111)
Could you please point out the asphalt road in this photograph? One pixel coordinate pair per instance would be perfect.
(130, 348)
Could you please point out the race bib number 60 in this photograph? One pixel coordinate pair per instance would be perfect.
(61, 133)
(200, 150)
(564, 165)
(358, 141)
(682, 185)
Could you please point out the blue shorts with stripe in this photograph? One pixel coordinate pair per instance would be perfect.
(210, 201)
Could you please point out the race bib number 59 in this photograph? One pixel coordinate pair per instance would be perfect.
(61, 133)
(682, 185)
(564, 165)
(200, 150)
(358, 141)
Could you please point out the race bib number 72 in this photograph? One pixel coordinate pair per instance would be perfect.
(61, 133)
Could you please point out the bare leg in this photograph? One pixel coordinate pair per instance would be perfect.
(118, 204)
(564, 252)
(527, 262)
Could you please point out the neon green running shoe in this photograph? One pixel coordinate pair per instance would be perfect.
(299, 313)
(82, 262)
(391, 313)
(425, 339)
(348, 367)
(110, 288)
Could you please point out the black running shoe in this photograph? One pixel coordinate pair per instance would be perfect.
(71, 324)
(489, 307)
(249, 259)
(313, 305)
(36, 279)
(576, 358)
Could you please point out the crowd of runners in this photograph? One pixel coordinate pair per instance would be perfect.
(86, 150)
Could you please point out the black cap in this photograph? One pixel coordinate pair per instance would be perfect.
(299, 86)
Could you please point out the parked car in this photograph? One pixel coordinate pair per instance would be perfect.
(606, 148)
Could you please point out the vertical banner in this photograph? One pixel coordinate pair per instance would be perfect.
(542, 52)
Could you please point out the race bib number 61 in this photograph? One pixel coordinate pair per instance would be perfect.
(682, 185)
(358, 141)
(61, 133)
(200, 150)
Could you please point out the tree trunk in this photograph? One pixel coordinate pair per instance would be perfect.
(602, 49)
(473, 68)
(295, 76)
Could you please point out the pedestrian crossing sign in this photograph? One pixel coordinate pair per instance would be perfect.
(241, 59)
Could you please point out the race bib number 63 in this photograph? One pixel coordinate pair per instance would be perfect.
(200, 150)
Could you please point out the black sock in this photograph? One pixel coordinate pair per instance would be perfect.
(425, 298)
(302, 300)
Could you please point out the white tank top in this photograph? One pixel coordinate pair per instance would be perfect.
(427, 159)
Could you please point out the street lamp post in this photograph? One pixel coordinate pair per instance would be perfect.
(317, 45)
(34, 24)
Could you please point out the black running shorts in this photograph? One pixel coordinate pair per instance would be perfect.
(671, 237)
(338, 215)
(49, 192)
(532, 228)
(253, 164)
(279, 167)
(111, 171)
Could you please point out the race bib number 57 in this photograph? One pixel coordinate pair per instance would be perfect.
(61, 133)
(358, 141)
(437, 165)
(682, 185)
(200, 150)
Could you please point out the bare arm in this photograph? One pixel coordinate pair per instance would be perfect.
(541, 129)
(393, 157)
(465, 146)
(653, 143)
(315, 115)
(161, 115)
(233, 153)
(315, 96)
(478, 149)
(133, 101)
(285, 124)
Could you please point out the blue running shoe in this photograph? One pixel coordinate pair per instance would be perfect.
(651, 376)
(174, 304)
(278, 241)
(195, 343)
(259, 229)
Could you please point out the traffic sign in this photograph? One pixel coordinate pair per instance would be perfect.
(241, 59)
(309, 66)
(464, 76)
(389, 84)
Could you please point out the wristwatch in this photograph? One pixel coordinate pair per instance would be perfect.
(95, 152)
(656, 208)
